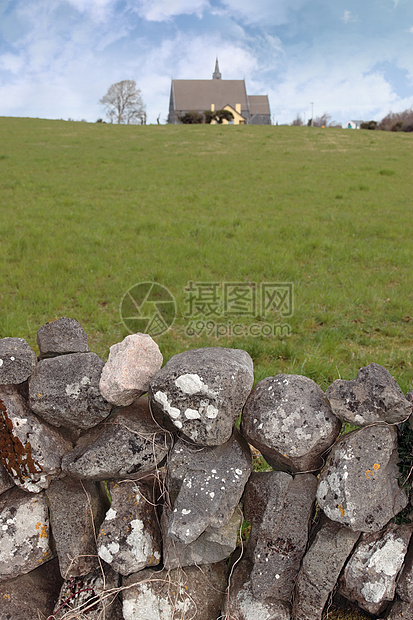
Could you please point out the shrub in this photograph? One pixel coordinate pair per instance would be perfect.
(192, 118)
(209, 116)
(218, 115)
(397, 121)
(369, 125)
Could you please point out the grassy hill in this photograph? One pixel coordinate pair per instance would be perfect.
(89, 210)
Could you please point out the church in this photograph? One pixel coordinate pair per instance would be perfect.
(218, 94)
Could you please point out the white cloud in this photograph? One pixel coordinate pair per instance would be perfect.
(98, 9)
(265, 12)
(162, 10)
(12, 63)
(349, 18)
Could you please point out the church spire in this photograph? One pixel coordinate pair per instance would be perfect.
(217, 74)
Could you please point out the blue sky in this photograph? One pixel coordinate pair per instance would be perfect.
(352, 59)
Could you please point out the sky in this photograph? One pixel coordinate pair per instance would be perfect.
(351, 59)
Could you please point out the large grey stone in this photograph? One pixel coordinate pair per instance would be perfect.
(64, 391)
(205, 485)
(31, 450)
(369, 577)
(240, 603)
(373, 396)
(358, 486)
(289, 420)
(94, 596)
(213, 545)
(192, 593)
(129, 538)
(201, 393)
(128, 444)
(321, 569)
(76, 511)
(17, 361)
(131, 365)
(61, 337)
(24, 533)
(31, 596)
(280, 509)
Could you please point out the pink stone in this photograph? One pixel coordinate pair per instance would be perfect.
(130, 366)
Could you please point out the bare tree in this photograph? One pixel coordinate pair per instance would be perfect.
(297, 122)
(123, 103)
(322, 121)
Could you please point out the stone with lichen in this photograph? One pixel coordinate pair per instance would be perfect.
(190, 593)
(129, 538)
(24, 532)
(17, 361)
(289, 420)
(64, 391)
(370, 575)
(213, 545)
(201, 392)
(373, 396)
(128, 444)
(205, 486)
(359, 487)
(242, 604)
(31, 450)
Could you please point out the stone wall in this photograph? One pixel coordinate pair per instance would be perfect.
(127, 491)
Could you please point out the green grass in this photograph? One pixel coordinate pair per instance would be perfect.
(88, 210)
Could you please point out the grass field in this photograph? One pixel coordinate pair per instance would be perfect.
(89, 210)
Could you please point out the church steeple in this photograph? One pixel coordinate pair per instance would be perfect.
(217, 74)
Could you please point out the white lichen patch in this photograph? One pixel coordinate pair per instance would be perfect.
(191, 414)
(251, 608)
(106, 552)
(374, 591)
(162, 399)
(192, 384)
(389, 558)
(211, 412)
(143, 602)
(141, 544)
(111, 514)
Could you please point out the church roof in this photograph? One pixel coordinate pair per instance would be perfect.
(259, 104)
(199, 94)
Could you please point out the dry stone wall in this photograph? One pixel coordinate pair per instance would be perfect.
(126, 489)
